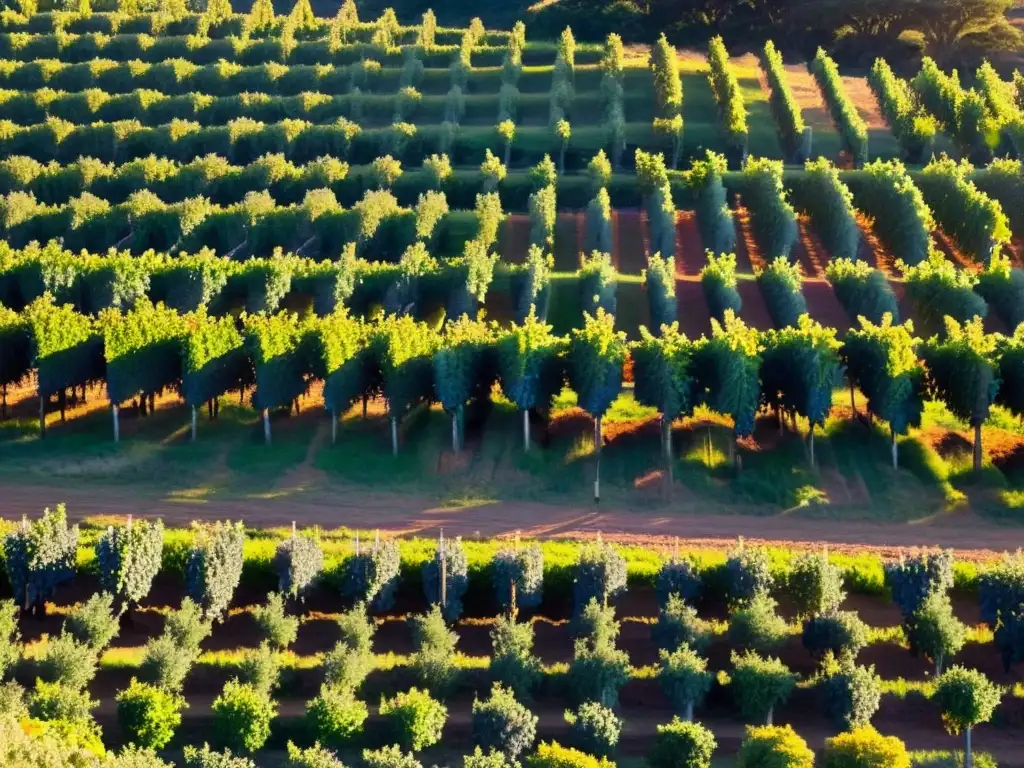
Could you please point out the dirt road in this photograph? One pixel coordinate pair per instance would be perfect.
(405, 514)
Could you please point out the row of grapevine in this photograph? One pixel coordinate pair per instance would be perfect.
(613, 96)
(902, 220)
(912, 126)
(820, 194)
(975, 221)
(963, 113)
(732, 111)
(668, 95)
(844, 113)
(796, 137)
(773, 219)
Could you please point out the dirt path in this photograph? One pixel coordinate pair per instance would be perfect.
(694, 316)
(334, 506)
(822, 302)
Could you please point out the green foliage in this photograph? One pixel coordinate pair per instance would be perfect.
(312, 757)
(165, 663)
(1001, 285)
(844, 113)
(684, 678)
(389, 757)
(278, 349)
(598, 282)
(935, 632)
(94, 622)
(964, 114)
(962, 373)
(799, 369)
(493, 170)
(774, 747)
(260, 667)
(677, 576)
(974, 220)
(492, 759)
(668, 86)
(678, 623)
(554, 755)
(822, 195)
(1001, 599)
(336, 716)
(759, 685)
(966, 698)
(594, 729)
(528, 363)
(543, 215)
(371, 575)
(727, 368)
(864, 747)
(452, 557)
(503, 724)
(405, 349)
(600, 575)
(187, 627)
(815, 584)
(714, 216)
(40, 556)
(850, 694)
(347, 665)
(434, 661)
(298, 561)
(213, 358)
(512, 661)
(732, 112)
(781, 285)
(67, 661)
(10, 647)
(149, 715)
(597, 672)
(214, 565)
(913, 127)
(785, 109)
(662, 373)
(748, 574)
(862, 290)
(756, 626)
(207, 758)
(129, 557)
(279, 629)
(912, 580)
(901, 219)
(414, 720)
(718, 280)
(518, 576)
(242, 715)
(882, 361)
(841, 633)
(597, 223)
(679, 744)
(594, 361)
(57, 704)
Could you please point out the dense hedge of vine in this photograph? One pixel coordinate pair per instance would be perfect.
(902, 219)
(796, 136)
(912, 126)
(844, 113)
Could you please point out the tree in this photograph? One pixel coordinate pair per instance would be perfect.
(679, 744)
(502, 723)
(774, 747)
(597, 672)
(664, 378)
(518, 577)
(841, 633)
(756, 626)
(278, 347)
(94, 622)
(1001, 598)
(963, 373)
(934, 631)
(600, 575)
(864, 747)
(214, 565)
(386, 171)
(882, 361)
(298, 561)
(40, 556)
(463, 369)
(678, 624)
(748, 574)
(966, 698)
(414, 720)
(129, 558)
(277, 628)
(434, 662)
(405, 350)
(850, 693)
(371, 575)
(312, 757)
(759, 685)
(678, 576)
(149, 715)
(242, 715)
(446, 577)
(336, 716)
(684, 678)
(351, 660)
(10, 647)
(506, 130)
(948, 27)
(594, 362)
(728, 366)
(816, 584)
(594, 728)
(512, 661)
(938, 288)
(493, 171)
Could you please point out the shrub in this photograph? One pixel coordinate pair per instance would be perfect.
(718, 280)
(414, 719)
(597, 624)
(598, 672)
(756, 626)
(714, 217)
(785, 109)
(55, 702)
(134, 757)
(594, 729)
(456, 578)
(772, 218)
(67, 661)
(279, 629)
(351, 660)
(148, 715)
(726, 89)
(503, 724)
(935, 632)
(747, 573)
(679, 744)
(1002, 288)
(434, 662)
(913, 127)
(684, 678)
(492, 759)
(911, 580)
(600, 574)
(312, 757)
(336, 716)
(389, 757)
(774, 747)
(518, 577)
(851, 694)
(847, 119)
(298, 561)
(597, 223)
(129, 558)
(841, 633)
(865, 748)
(207, 758)
(759, 685)
(186, 626)
(214, 565)
(10, 648)
(679, 623)
(165, 663)
(815, 584)
(902, 221)
(93, 622)
(512, 661)
(678, 576)
(260, 668)
(371, 576)
(40, 556)
(554, 755)
(862, 289)
(782, 287)
(242, 715)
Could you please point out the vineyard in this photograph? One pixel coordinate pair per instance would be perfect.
(308, 647)
(585, 243)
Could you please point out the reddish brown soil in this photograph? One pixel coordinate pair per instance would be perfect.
(754, 311)
(822, 303)
(568, 241)
(873, 252)
(515, 238)
(630, 239)
(694, 317)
